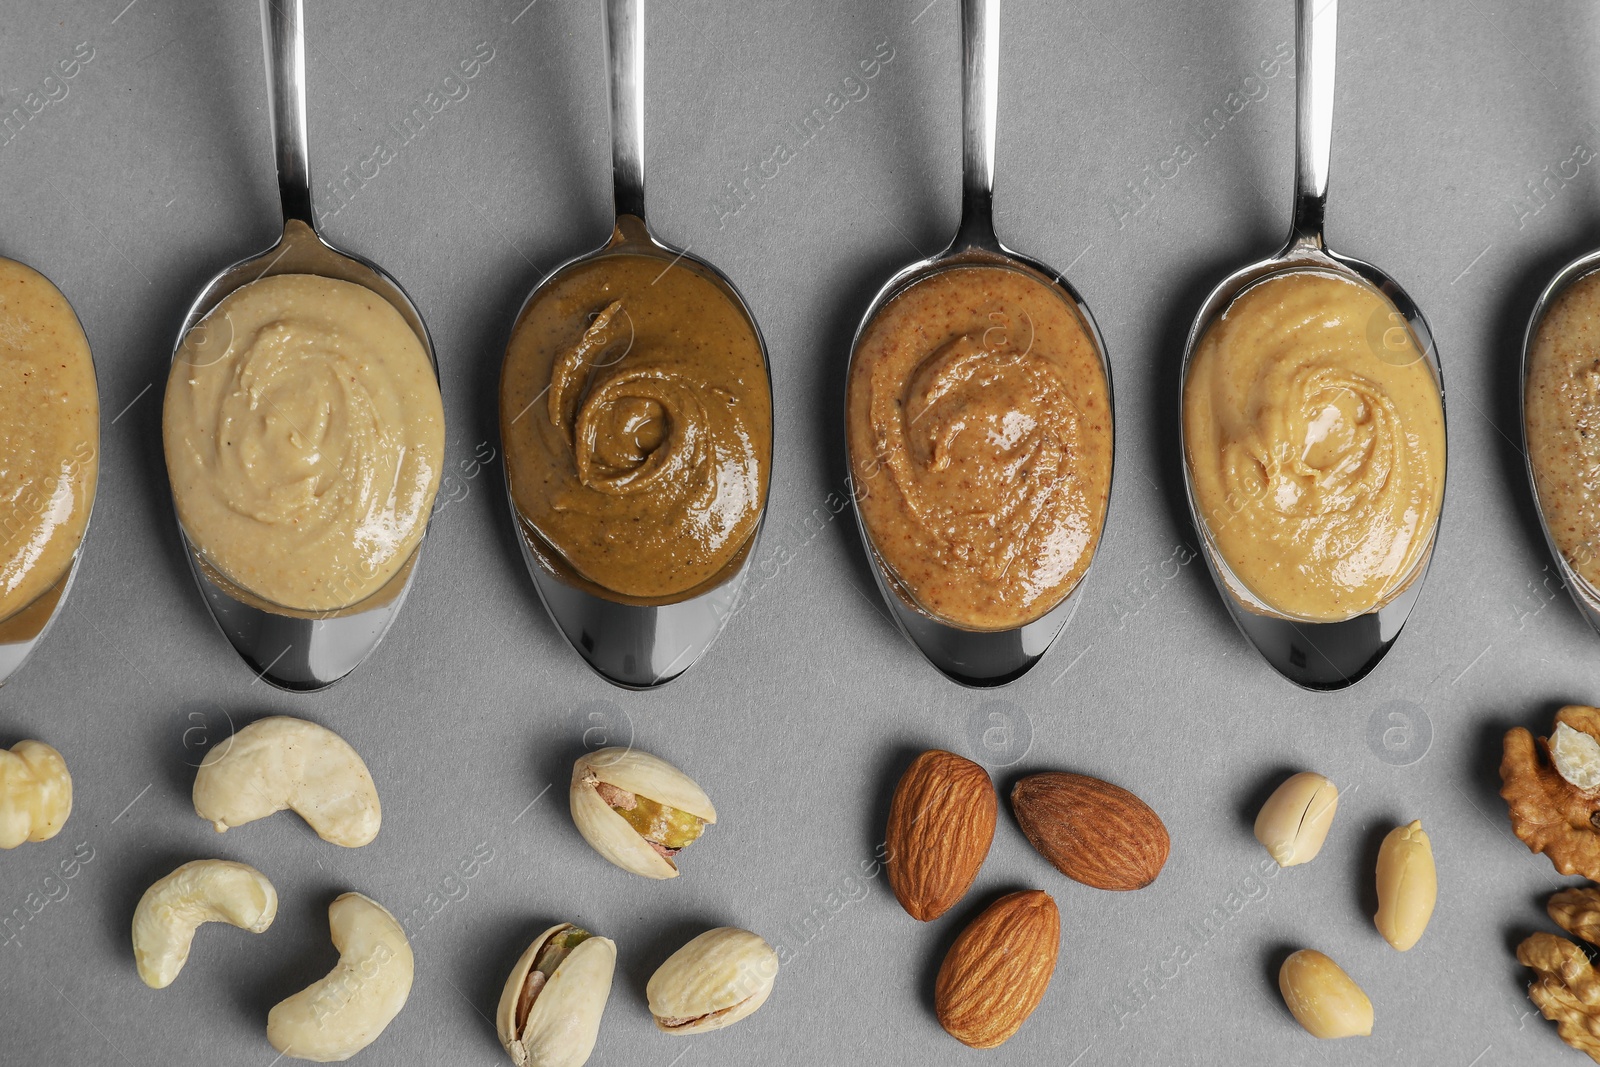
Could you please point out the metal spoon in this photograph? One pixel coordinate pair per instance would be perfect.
(298, 650)
(1315, 655)
(978, 658)
(632, 642)
(1584, 595)
(23, 630)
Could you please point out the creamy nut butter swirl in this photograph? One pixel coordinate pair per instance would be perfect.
(637, 423)
(1315, 442)
(1562, 413)
(49, 435)
(980, 444)
(304, 439)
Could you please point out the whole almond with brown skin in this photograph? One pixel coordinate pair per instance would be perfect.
(1092, 831)
(941, 823)
(997, 971)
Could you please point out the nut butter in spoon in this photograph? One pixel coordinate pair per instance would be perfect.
(979, 426)
(1313, 429)
(978, 423)
(638, 444)
(49, 455)
(1316, 456)
(636, 421)
(303, 427)
(1561, 425)
(304, 440)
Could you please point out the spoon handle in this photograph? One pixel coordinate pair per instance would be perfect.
(980, 93)
(1315, 58)
(283, 36)
(625, 52)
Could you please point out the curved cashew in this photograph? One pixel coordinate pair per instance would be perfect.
(35, 793)
(345, 1012)
(202, 891)
(280, 763)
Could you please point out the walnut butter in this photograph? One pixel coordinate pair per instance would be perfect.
(636, 417)
(1561, 404)
(304, 439)
(1314, 437)
(979, 432)
(49, 435)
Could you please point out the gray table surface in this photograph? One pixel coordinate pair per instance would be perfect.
(154, 170)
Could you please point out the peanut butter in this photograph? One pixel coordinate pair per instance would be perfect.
(1315, 442)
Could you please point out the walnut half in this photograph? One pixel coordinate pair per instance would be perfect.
(1549, 813)
(1567, 989)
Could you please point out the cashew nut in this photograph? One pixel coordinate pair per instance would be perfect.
(279, 762)
(202, 891)
(345, 1012)
(35, 793)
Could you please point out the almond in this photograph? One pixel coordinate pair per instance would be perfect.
(997, 971)
(941, 823)
(1091, 831)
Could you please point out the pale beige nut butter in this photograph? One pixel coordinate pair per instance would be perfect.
(979, 430)
(304, 439)
(49, 435)
(1315, 443)
(1561, 409)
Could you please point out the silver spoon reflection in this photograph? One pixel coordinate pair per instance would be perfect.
(633, 642)
(1315, 655)
(298, 650)
(972, 657)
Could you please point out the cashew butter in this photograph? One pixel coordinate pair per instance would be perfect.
(979, 430)
(1315, 443)
(304, 439)
(49, 435)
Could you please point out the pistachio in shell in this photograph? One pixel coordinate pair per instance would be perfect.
(713, 981)
(637, 810)
(550, 1010)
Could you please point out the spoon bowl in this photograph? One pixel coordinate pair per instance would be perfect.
(24, 630)
(979, 659)
(634, 642)
(973, 657)
(1583, 593)
(299, 651)
(1314, 654)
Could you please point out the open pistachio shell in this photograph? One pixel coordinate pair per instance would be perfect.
(564, 1019)
(714, 981)
(644, 776)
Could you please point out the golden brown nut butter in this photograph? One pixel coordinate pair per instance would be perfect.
(1562, 413)
(979, 430)
(637, 422)
(49, 435)
(304, 439)
(1314, 437)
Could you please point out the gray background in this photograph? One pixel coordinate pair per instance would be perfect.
(155, 171)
